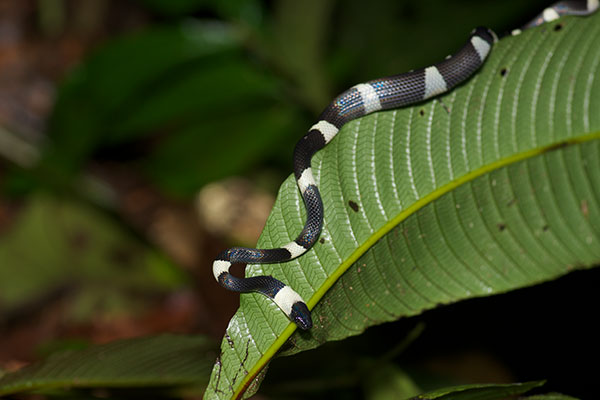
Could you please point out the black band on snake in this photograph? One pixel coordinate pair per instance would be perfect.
(379, 94)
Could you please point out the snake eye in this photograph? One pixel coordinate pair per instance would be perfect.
(301, 316)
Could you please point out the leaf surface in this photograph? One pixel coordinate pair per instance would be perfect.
(491, 187)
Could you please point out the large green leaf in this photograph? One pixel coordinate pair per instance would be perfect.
(493, 187)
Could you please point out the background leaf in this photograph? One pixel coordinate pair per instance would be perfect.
(389, 382)
(480, 392)
(551, 396)
(491, 188)
(159, 361)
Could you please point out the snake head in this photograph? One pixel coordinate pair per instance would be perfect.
(301, 315)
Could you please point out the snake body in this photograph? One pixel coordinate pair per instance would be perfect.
(365, 98)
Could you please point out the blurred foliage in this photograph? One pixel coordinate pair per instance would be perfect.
(248, 11)
(186, 93)
(62, 244)
(225, 87)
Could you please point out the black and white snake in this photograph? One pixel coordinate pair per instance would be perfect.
(379, 94)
